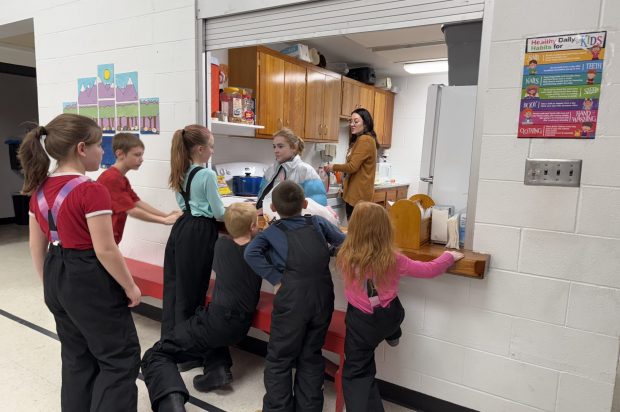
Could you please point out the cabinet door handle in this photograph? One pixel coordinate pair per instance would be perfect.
(325, 130)
(279, 123)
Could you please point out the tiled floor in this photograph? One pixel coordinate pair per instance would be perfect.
(30, 353)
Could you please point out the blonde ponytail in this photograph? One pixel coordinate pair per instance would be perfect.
(183, 141)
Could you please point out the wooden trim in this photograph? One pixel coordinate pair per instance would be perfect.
(473, 265)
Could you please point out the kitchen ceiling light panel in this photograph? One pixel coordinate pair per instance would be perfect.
(428, 66)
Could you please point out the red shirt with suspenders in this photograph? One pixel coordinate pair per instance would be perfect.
(85, 200)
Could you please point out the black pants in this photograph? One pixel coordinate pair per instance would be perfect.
(206, 334)
(348, 210)
(364, 333)
(99, 344)
(298, 329)
(187, 268)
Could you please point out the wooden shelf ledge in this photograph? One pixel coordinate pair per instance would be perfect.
(473, 265)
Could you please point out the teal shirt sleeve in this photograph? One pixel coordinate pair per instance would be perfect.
(213, 196)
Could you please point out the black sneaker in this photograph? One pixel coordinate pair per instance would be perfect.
(189, 365)
(213, 379)
(173, 402)
(393, 342)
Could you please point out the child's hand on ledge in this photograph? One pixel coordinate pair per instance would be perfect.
(456, 255)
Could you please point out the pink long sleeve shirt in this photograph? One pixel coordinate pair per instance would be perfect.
(358, 296)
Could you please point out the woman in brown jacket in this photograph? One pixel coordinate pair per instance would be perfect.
(359, 183)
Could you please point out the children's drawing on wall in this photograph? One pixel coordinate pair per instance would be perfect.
(87, 92)
(108, 158)
(107, 117)
(112, 100)
(127, 117)
(89, 111)
(127, 87)
(105, 81)
(69, 107)
(149, 115)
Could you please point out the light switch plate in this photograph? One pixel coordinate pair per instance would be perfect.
(552, 172)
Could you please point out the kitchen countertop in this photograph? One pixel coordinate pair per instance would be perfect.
(334, 191)
(390, 185)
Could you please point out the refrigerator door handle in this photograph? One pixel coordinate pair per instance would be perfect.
(427, 179)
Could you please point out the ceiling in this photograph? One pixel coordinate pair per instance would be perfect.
(22, 40)
(18, 34)
(386, 50)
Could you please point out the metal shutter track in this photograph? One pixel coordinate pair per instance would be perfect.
(333, 17)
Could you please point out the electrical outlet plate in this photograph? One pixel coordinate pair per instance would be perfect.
(552, 172)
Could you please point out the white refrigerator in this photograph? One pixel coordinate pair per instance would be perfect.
(447, 145)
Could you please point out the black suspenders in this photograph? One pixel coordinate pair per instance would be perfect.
(185, 193)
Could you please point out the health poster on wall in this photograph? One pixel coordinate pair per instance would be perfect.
(561, 86)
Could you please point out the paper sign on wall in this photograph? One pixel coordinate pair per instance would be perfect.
(561, 86)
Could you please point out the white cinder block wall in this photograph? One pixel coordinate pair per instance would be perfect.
(553, 288)
(155, 38)
(540, 333)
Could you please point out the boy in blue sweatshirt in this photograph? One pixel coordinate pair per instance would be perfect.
(293, 255)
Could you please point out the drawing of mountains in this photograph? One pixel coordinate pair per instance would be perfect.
(106, 90)
(127, 93)
(87, 95)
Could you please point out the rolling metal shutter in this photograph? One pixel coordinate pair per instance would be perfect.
(332, 17)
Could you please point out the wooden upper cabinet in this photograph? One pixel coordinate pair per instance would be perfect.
(322, 105)
(270, 101)
(383, 116)
(294, 98)
(356, 95)
(331, 107)
(389, 119)
(350, 96)
(379, 116)
(315, 88)
(307, 99)
(367, 98)
(279, 88)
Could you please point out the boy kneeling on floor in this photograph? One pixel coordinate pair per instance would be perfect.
(208, 333)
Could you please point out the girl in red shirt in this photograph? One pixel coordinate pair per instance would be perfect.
(86, 283)
(372, 268)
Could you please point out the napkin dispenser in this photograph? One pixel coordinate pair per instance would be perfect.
(439, 226)
(411, 219)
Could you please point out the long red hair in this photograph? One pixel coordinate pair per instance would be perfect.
(369, 246)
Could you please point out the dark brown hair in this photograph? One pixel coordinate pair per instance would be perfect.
(183, 141)
(125, 142)
(288, 198)
(62, 135)
(369, 126)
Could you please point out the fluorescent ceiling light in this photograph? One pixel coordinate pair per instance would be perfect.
(427, 66)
